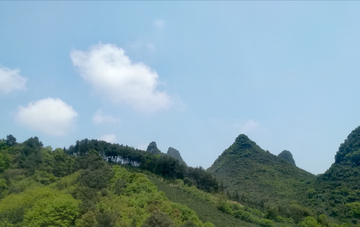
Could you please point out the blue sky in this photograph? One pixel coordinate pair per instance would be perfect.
(190, 75)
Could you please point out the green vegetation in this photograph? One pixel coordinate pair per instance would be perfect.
(153, 149)
(204, 204)
(175, 154)
(95, 183)
(287, 156)
(337, 191)
(163, 165)
(93, 193)
(257, 178)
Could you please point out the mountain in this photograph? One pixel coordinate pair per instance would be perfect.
(257, 177)
(349, 151)
(175, 154)
(287, 156)
(95, 183)
(338, 189)
(152, 148)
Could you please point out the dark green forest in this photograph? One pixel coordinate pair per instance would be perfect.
(95, 183)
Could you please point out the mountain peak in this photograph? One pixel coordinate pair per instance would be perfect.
(349, 151)
(245, 166)
(152, 148)
(287, 156)
(242, 139)
(175, 154)
(243, 146)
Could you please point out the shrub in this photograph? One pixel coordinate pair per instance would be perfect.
(226, 207)
(309, 222)
(266, 223)
(60, 211)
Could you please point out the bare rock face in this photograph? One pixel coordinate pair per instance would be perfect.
(287, 156)
(175, 154)
(152, 148)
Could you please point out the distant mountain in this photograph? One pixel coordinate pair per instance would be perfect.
(152, 148)
(287, 156)
(259, 176)
(175, 154)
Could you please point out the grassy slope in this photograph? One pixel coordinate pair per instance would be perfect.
(206, 211)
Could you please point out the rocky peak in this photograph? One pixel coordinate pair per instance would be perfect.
(152, 148)
(287, 156)
(175, 154)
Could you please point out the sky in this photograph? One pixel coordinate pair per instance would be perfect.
(188, 75)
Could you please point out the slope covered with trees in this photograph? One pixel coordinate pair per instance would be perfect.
(163, 165)
(42, 187)
(245, 168)
(337, 191)
(95, 183)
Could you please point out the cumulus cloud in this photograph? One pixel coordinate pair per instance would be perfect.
(113, 75)
(10, 80)
(110, 138)
(100, 118)
(50, 116)
(159, 23)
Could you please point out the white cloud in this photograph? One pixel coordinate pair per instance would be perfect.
(110, 138)
(50, 116)
(159, 23)
(100, 118)
(113, 75)
(10, 80)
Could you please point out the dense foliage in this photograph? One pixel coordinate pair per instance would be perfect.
(45, 187)
(337, 191)
(163, 165)
(95, 183)
(257, 178)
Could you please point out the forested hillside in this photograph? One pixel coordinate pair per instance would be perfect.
(337, 191)
(42, 187)
(95, 183)
(256, 177)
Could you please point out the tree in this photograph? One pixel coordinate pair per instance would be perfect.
(4, 162)
(158, 219)
(189, 224)
(309, 222)
(87, 220)
(10, 140)
(97, 172)
(106, 219)
(59, 211)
